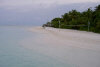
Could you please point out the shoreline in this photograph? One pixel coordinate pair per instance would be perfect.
(78, 48)
(70, 35)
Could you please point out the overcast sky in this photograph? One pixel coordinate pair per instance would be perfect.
(37, 12)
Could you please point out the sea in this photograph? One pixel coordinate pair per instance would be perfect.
(13, 54)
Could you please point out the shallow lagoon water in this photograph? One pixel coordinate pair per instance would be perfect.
(12, 54)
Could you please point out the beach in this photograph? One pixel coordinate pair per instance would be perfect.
(48, 47)
(77, 48)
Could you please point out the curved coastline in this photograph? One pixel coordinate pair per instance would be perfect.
(78, 48)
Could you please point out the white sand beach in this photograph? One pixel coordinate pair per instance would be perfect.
(77, 48)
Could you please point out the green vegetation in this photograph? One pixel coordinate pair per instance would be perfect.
(87, 20)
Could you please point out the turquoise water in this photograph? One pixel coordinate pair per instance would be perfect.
(12, 54)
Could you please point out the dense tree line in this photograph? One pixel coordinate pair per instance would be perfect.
(87, 20)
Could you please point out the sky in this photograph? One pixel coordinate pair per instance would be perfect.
(38, 12)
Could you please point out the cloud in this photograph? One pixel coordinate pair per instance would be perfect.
(20, 4)
(27, 13)
(38, 12)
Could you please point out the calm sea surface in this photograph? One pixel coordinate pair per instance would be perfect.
(12, 54)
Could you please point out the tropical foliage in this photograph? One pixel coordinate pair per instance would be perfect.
(87, 20)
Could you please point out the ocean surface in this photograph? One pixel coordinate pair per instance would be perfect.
(13, 54)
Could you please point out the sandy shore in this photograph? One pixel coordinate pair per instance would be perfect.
(81, 39)
(78, 48)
